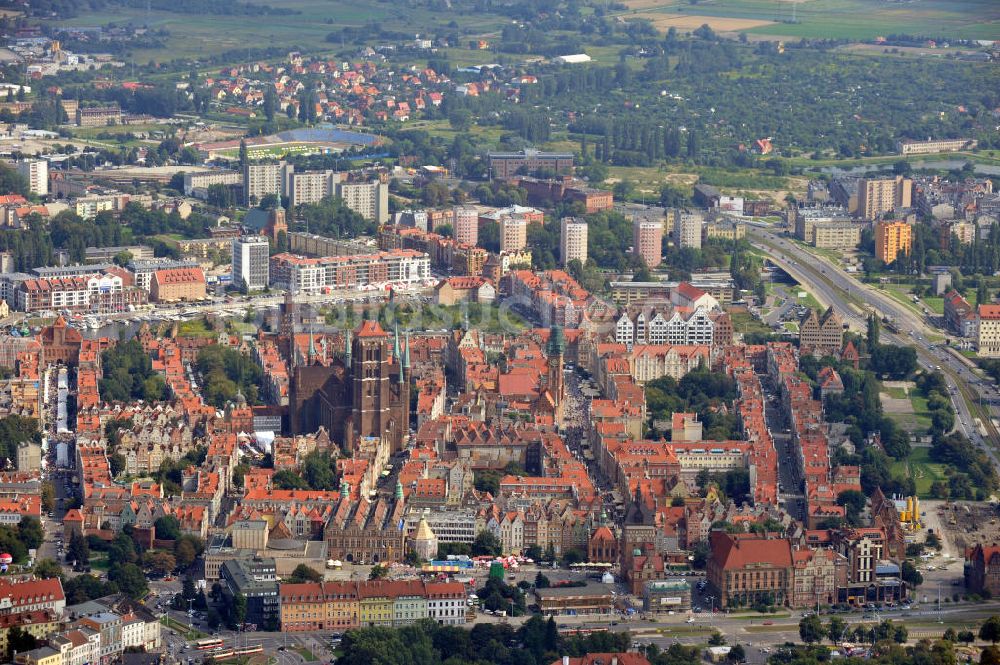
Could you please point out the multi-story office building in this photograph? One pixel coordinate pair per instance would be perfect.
(513, 233)
(250, 262)
(255, 580)
(36, 172)
(877, 196)
(647, 240)
(892, 239)
(573, 240)
(466, 225)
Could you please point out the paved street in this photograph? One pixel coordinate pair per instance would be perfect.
(833, 286)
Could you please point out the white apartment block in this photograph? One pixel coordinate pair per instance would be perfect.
(513, 234)
(573, 240)
(250, 262)
(687, 230)
(368, 199)
(197, 184)
(261, 179)
(311, 187)
(36, 172)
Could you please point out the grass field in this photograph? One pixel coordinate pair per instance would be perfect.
(193, 36)
(921, 469)
(851, 19)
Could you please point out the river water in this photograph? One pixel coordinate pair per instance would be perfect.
(933, 165)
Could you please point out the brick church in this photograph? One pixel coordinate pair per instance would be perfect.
(363, 393)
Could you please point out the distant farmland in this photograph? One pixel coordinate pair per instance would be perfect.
(845, 19)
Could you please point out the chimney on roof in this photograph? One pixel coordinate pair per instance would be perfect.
(565, 660)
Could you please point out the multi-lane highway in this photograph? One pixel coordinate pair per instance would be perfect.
(831, 285)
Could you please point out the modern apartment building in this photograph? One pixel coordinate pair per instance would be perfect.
(261, 179)
(466, 225)
(513, 234)
(368, 199)
(311, 186)
(892, 239)
(197, 184)
(877, 196)
(250, 262)
(843, 236)
(314, 275)
(687, 230)
(573, 240)
(36, 172)
(647, 240)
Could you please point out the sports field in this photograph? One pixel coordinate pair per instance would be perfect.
(852, 19)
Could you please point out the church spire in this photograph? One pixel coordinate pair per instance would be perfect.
(396, 354)
(312, 347)
(399, 490)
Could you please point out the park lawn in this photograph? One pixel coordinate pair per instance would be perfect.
(894, 392)
(919, 467)
(920, 411)
(100, 562)
(306, 654)
(791, 326)
(195, 328)
(934, 303)
(186, 631)
(744, 323)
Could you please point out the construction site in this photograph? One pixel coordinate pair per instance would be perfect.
(967, 523)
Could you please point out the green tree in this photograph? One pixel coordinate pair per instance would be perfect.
(811, 629)
(873, 330)
(30, 532)
(48, 496)
(911, 575)
(129, 579)
(541, 581)
(48, 568)
(486, 544)
(167, 528)
(19, 641)
(304, 573)
(737, 654)
(835, 629)
(78, 550)
(990, 630)
(378, 572)
(159, 562)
